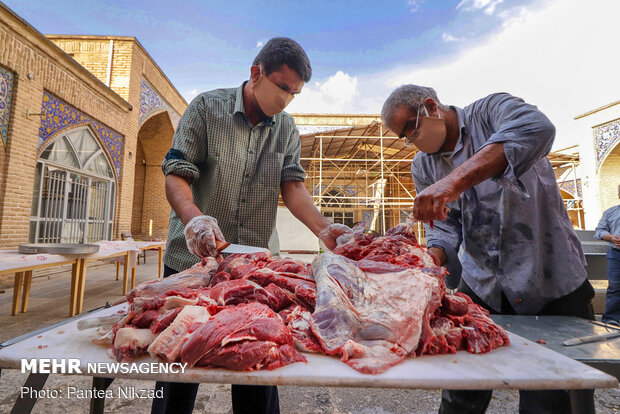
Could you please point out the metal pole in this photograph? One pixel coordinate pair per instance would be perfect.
(576, 196)
(320, 173)
(382, 180)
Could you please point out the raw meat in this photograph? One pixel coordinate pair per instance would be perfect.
(371, 320)
(244, 337)
(130, 342)
(168, 344)
(194, 277)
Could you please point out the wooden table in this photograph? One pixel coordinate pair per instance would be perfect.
(23, 265)
(11, 261)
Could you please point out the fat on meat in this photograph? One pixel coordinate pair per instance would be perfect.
(372, 319)
(168, 343)
(192, 278)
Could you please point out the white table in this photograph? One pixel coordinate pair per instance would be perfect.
(522, 365)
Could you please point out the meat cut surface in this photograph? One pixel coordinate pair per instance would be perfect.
(244, 337)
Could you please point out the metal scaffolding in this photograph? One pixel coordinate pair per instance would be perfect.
(362, 173)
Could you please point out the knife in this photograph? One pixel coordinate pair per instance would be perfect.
(591, 338)
(228, 248)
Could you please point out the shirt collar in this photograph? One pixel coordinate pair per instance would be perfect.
(460, 115)
(240, 108)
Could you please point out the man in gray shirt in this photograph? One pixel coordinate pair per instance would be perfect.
(608, 229)
(483, 177)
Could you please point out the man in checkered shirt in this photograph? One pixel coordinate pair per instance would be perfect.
(233, 153)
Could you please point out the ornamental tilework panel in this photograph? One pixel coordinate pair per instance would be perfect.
(606, 137)
(6, 93)
(151, 102)
(569, 187)
(58, 115)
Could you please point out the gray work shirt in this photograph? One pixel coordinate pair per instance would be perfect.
(609, 224)
(513, 231)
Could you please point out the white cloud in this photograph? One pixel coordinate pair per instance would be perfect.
(336, 95)
(562, 59)
(193, 93)
(260, 44)
(487, 6)
(447, 37)
(414, 5)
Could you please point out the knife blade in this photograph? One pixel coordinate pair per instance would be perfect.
(591, 338)
(229, 248)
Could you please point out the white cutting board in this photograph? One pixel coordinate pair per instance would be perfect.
(522, 365)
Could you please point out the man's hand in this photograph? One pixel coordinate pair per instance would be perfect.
(438, 255)
(616, 241)
(430, 204)
(331, 233)
(201, 234)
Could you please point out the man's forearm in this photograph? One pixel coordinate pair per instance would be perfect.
(487, 163)
(180, 197)
(299, 202)
(607, 237)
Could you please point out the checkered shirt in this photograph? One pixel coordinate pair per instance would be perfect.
(236, 169)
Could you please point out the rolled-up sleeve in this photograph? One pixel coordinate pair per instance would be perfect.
(526, 134)
(603, 227)
(291, 167)
(446, 235)
(189, 144)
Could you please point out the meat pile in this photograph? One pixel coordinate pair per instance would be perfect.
(373, 302)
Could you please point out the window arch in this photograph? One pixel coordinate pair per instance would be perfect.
(74, 189)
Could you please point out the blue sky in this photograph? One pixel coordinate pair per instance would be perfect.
(209, 44)
(558, 54)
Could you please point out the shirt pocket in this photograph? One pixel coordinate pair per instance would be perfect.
(269, 169)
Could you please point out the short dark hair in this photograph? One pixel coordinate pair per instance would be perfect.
(282, 50)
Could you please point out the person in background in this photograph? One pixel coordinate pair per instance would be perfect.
(233, 153)
(482, 175)
(608, 229)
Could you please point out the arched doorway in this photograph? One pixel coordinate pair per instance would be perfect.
(74, 190)
(150, 207)
(609, 179)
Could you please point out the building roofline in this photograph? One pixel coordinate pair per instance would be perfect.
(593, 111)
(126, 38)
(111, 95)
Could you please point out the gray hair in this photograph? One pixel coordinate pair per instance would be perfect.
(412, 96)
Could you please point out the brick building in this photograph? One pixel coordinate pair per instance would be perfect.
(85, 123)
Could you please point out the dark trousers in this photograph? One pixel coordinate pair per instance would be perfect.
(577, 303)
(179, 397)
(612, 298)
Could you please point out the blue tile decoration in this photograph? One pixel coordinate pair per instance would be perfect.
(6, 93)
(569, 187)
(58, 115)
(606, 137)
(151, 102)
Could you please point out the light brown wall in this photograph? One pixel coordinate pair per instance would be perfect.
(39, 66)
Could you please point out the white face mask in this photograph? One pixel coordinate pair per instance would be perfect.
(430, 133)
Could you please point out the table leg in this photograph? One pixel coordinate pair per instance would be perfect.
(133, 275)
(97, 404)
(26, 295)
(125, 273)
(74, 286)
(17, 287)
(81, 285)
(161, 255)
(25, 402)
(118, 266)
(582, 401)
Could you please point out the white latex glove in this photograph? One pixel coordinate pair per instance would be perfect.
(201, 234)
(331, 234)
